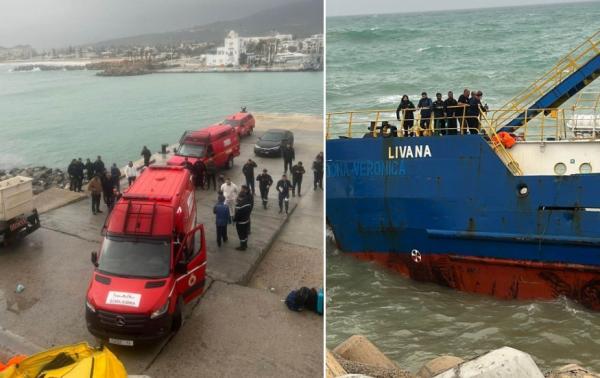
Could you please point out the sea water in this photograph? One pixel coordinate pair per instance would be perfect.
(371, 62)
(49, 117)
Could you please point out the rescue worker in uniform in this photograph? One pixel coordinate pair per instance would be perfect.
(243, 209)
(248, 170)
(439, 121)
(222, 219)
(89, 169)
(317, 168)
(264, 183)
(72, 178)
(79, 173)
(283, 187)
(146, 154)
(289, 155)
(211, 173)
(297, 173)
(425, 106)
(452, 111)
(99, 166)
(115, 173)
(199, 173)
(463, 102)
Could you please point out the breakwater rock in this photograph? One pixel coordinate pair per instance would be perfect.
(357, 356)
(43, 177)
(48, 67)
(126, 68)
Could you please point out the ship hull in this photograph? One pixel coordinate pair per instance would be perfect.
(451, 204)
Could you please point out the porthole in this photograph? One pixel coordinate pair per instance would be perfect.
(585, 168)
(560, 169)
(522, 190)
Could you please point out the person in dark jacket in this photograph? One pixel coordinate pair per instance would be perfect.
(200, 172)
(108, 190)
(317, 168)
(146, 154)
(115, 174)
(297, 173)
(211, 174)
(95, 188)
(289, 155)
(243, 210)
(407, 108)
(89, 169)
(99, 166)
(463, 102)
(264, 183)
(474, 112)
(188, 165)
(425, 105)
(222, 219)
(283, 188)
(79, 167)
(452, 111)
(248, 170)
(72, 175)
(439, 117)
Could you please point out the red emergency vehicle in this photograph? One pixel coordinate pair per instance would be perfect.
(152, 260)
(218, 142)
(242, 122)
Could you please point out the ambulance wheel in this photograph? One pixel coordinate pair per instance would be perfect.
(177, 316)
(230, 162)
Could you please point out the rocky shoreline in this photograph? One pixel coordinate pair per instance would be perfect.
(44, 178)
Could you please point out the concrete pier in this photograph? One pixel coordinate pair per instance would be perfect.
(239, 327)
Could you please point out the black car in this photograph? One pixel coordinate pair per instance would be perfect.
(270, 143)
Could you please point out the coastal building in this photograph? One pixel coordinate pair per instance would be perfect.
(229, 53)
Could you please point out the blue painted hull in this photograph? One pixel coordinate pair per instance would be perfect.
(453, 196)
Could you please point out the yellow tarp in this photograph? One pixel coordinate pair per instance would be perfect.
(89, 363)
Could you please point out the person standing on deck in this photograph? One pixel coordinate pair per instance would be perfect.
(474, 112)
(289, 155)
(439, 120)
(264, 183)
(222, 219)
(463, 102)
(451, 109)
(130, 173)
(243, 209)
(283, 188)
(317, 168)
(211, 174)
(297, 173)
(407, 108)
(425, 106)
(146, 154)
(230, 192)
(248, 170)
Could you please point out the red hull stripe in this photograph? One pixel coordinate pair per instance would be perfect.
(505, 279)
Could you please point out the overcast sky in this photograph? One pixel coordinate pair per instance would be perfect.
(354, 7)
(59, 23)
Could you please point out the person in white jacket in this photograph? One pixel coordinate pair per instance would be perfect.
(130, 173)
(230, 192)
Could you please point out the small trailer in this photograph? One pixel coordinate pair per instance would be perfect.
(18, 216)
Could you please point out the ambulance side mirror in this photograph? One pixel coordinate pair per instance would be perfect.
(95, 258)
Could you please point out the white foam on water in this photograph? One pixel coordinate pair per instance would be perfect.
(392, 99)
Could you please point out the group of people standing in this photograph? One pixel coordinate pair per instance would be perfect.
(235, 205)
(449, 116)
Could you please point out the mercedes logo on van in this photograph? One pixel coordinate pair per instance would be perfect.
(120, 321)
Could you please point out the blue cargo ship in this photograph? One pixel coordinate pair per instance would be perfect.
(516, 220)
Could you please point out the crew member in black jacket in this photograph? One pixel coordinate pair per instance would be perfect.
(297, 173)
(248, 170)
(452, 111)
(243, 209)
(289, 155)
